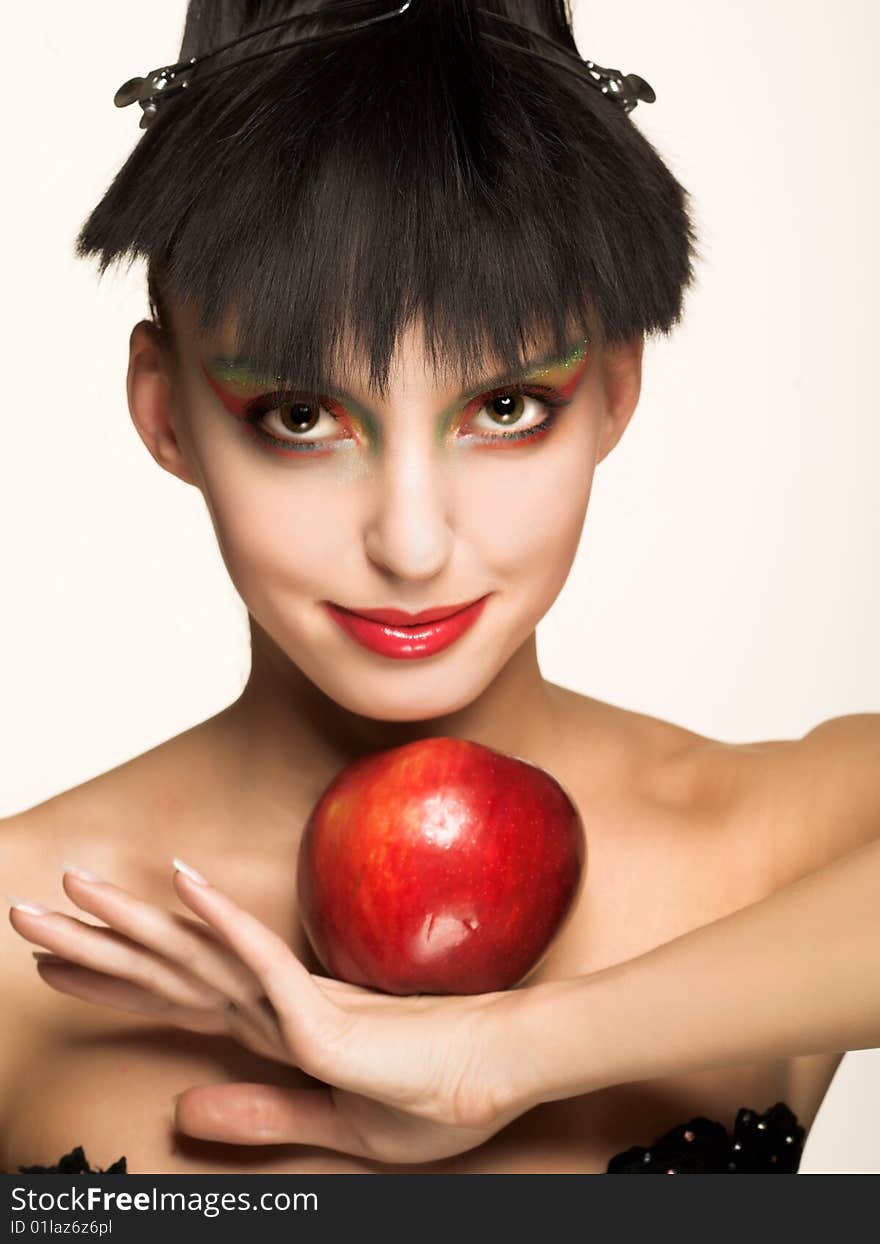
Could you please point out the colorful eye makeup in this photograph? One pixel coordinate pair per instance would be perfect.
(498, 405)
(497, 415)
(316, 427)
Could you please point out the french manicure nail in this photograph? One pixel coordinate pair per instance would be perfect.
(79, 872)
(189, 872)
(21, 904)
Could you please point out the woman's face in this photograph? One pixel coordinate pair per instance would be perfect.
(427, 500)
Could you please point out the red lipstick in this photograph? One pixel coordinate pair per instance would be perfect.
(405, 636)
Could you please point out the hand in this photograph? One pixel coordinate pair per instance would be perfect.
(409, 1079)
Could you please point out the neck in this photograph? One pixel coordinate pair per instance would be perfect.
(290, 738)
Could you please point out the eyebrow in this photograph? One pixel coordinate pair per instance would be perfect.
(547, 363)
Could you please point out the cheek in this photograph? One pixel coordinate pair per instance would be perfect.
(526, 513)
(278, 528)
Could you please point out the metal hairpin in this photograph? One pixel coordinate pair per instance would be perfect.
(169, 80)
(627, 90)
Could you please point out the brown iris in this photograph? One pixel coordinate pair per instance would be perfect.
(506, 408)
(298, 416)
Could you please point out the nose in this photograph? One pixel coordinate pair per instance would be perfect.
(408, 534)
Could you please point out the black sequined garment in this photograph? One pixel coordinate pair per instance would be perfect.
(74, 1163)
(762, 1144)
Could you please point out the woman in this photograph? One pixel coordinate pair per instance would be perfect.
(402, 409)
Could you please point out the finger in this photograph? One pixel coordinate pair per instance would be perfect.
(311, 1022)
(80, 982)
(106, 950)
(262, 1114)
(189, 944)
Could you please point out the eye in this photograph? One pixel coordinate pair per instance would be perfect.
(518, 412)
(293, 420)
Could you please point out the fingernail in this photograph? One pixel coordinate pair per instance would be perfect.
(21, 904)
(189, 872)
(79, 872)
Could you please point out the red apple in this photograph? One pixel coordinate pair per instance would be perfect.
(439, 867)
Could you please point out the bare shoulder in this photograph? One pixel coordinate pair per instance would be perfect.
(796, 802)
(25, 862)
(105, 823)
(22, 862)
(663, 765)
(811, 798)
(818, 797)
(111, 820)
(800, 802)
(111, 824)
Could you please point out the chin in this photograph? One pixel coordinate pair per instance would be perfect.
(420, 696)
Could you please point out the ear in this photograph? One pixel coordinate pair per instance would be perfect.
(622, 377)
(151, 394)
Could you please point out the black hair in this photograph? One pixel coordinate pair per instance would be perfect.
(333, 193)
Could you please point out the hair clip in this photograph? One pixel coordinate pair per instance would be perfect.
(626, 90)
(168, 80)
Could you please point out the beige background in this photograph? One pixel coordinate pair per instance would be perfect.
(727, 579)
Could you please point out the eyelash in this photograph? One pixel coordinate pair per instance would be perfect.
(551, 401)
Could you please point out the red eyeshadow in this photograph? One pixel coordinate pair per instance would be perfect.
(234, 404)
(570, 385)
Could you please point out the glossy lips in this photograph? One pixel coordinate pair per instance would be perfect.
(385, 630)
